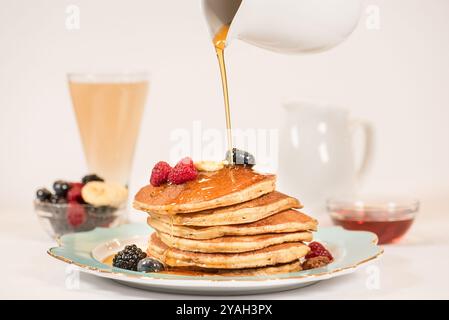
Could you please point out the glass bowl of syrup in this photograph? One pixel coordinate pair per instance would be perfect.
(389, 219)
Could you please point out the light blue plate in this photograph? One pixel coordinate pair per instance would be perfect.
(87, 249)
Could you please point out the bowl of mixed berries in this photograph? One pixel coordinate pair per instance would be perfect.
(80, 206)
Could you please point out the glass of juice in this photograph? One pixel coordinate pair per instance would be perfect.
(108, 110)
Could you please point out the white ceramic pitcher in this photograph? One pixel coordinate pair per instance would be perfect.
(286, 26)
(317, 154)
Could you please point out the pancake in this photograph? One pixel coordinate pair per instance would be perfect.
(269, 256)
(234, 244)
(209, 190)
(245, 212)
(294, 266)
(285, 221)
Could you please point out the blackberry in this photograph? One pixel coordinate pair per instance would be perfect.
(128, 258)
(91, 177)
(240, 157)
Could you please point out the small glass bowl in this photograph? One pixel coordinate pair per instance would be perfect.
(54, 217)
(388, 218)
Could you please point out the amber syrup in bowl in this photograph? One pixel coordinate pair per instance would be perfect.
(389, 219)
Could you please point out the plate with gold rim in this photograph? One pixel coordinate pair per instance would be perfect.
(88, 250)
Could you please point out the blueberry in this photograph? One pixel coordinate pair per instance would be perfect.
(149, 265)
(91, 177)
(61, 188)
(43, 194)
(240, 157)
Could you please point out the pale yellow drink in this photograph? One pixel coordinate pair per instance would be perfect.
(108, 116)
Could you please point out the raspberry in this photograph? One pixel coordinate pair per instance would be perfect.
(318, 250)
(159, 174)
(76, 215)
(74, 193)
(183, 171)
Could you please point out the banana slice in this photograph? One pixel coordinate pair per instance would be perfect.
(98, 193)
(209, 165)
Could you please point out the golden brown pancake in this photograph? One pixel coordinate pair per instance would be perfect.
(209, 190)
(248, 211)
(294, 266)
(273, 255)
(234, 244)
(285, 221)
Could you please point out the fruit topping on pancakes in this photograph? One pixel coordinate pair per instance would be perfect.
(240, 157)
(183, 171)
(227, 186)
(209, 166)
(187, 170)
(159, 174)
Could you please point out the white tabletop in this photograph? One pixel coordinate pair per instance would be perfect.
(414, 269)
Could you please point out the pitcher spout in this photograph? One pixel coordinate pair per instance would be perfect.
(219, 13)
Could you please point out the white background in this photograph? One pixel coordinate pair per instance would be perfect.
(396, 77)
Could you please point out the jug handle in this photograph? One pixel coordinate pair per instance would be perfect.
(368, 146)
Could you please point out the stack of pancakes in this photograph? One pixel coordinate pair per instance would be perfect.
(227, 222)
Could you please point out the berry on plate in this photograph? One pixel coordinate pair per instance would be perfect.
(318, 250)
(128, 258)
(149, 265)
(159, 174)
(183, 171)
